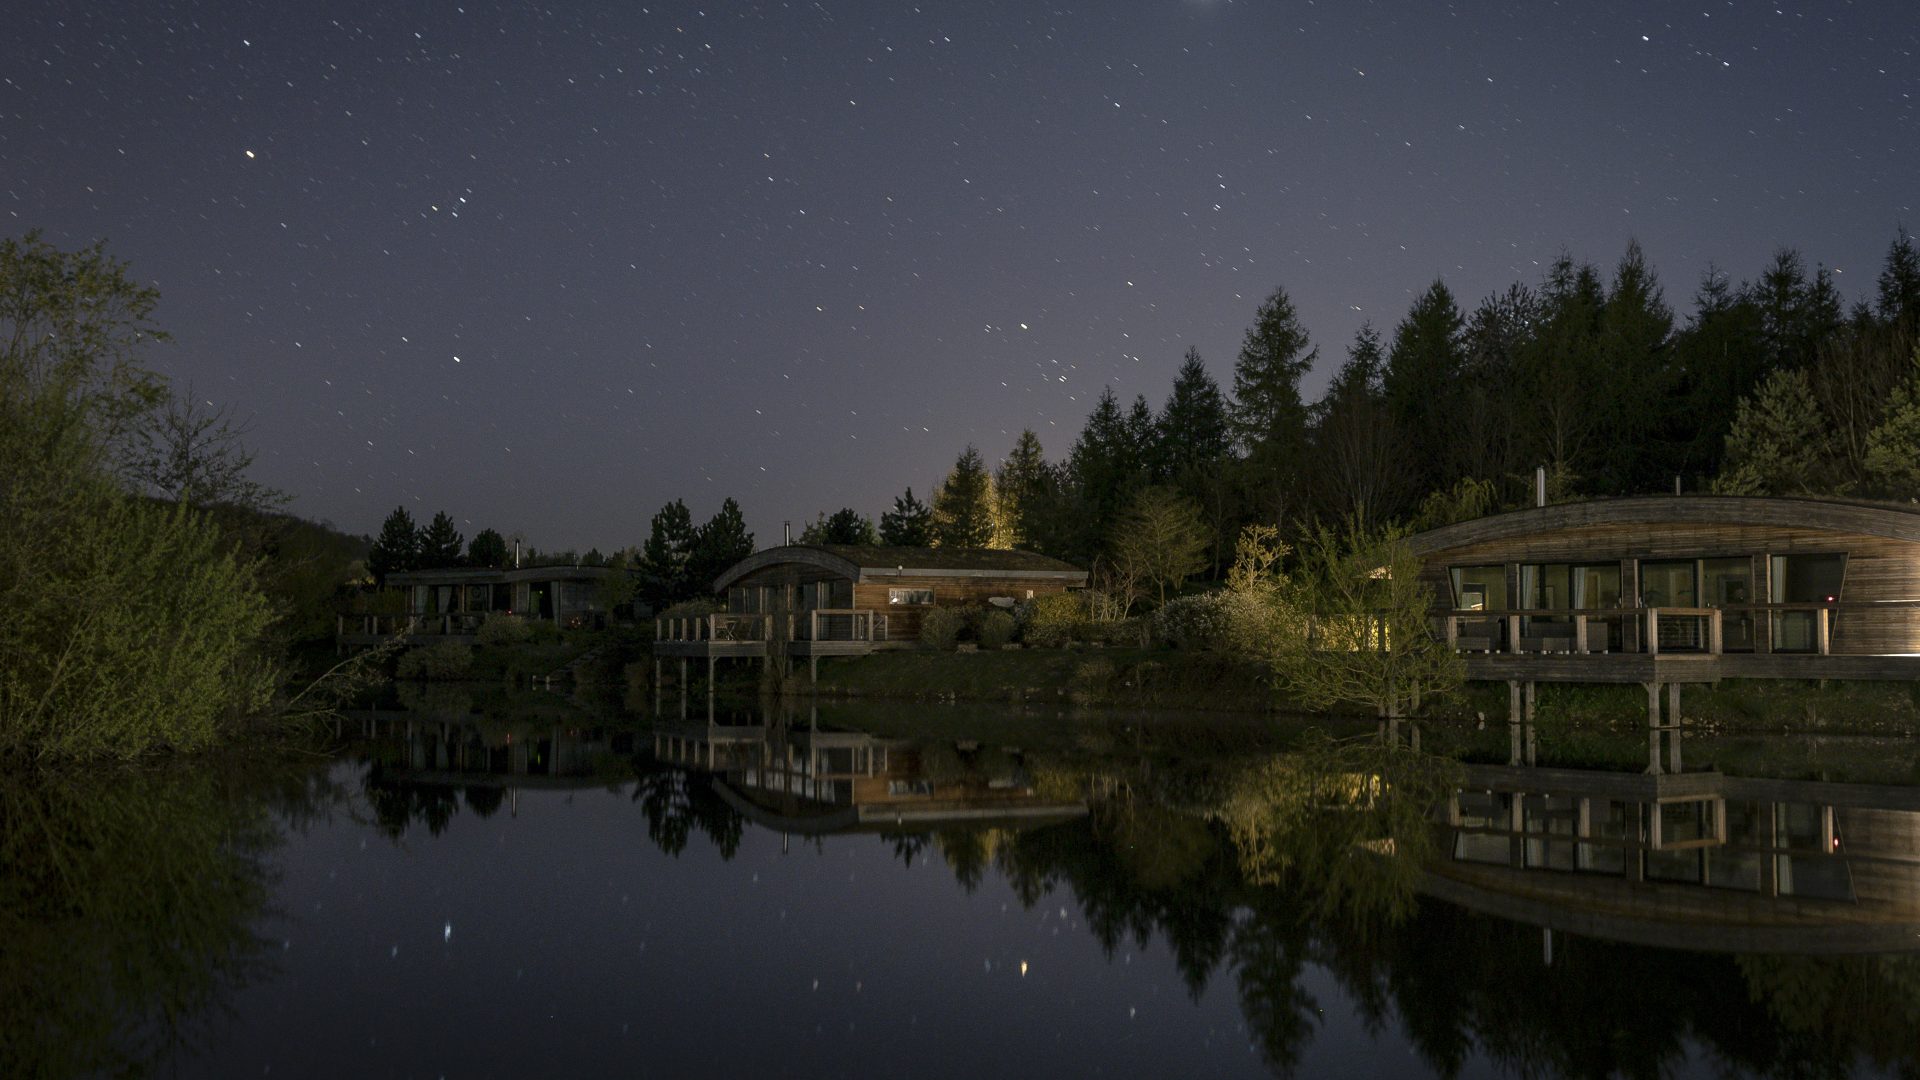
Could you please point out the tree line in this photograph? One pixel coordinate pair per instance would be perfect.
(1772, 385)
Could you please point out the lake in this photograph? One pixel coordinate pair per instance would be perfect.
(530, 888)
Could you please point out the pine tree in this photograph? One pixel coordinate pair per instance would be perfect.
(1893, 450)
(908, 524)
(1195, 433)
(717, 545)
(440, 543)
(1899, 298)
(397, 547)
(963, 504)
(1102, 472)
(1267, 409)
(1641, 409)
(1022, 485)
(1361, 477)
(1423, 382)
(487, 550)
(666, 554)
(845, 526)
(1778, 445)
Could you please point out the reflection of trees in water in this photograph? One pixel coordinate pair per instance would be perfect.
(398, 801)
(678, 803)
(1455, 982)
(127, 900)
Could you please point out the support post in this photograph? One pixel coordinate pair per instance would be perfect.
(1673, 726)
(1653, 631)
(1824, 626)
(1530, 733)
(1513, 633)
(1653, 728)
(1580, 634)
(1513, 722)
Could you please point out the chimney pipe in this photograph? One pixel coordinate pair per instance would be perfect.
(786, 533)
(1540, 485)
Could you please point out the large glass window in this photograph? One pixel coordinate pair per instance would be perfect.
(909, 597)
(1803, 579)
(1545, 588)
(1728, 584)
(1672, 584)
(1480, 588)
(1596, 586)
(1668, 584)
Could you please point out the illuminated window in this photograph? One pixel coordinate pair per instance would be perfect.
(909, 597)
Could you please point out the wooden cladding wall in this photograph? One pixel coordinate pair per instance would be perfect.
(903, 620)
(1879, 568)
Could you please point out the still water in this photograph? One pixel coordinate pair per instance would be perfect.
(539, 891)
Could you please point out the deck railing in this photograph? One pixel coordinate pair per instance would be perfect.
(839, 624)
(719, 626)
(1805, 628)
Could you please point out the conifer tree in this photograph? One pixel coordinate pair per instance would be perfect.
(1022, 485)
(487, 550)
(1423, 380)
(666, 554)
(1195, 433)
(440, 543)
(908, 524)
(963, 504)
(716, 545)
(396, 548)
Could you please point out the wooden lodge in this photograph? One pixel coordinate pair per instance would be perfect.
(814, 600)
(1669, 590)
(450, 604)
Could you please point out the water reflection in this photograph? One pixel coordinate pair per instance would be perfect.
(1540, 921)
(128, 901)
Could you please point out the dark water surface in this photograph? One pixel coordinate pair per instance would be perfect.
(453, 895)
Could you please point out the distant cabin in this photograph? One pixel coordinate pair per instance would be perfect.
(814, 600)
(899, 584)
(452, 603)
(1672, 589)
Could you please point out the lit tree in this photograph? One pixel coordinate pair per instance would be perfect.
(963, 504)
(1160, 540)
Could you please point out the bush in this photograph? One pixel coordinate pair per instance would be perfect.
(442, 660)
(1047, 622)
(502, 629)
(940, 628)
(1203, 622)
(993, 628)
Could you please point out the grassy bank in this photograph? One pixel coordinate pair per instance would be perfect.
(1155, 678)
(1188, 681)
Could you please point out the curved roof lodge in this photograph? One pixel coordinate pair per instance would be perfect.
(1681, 589)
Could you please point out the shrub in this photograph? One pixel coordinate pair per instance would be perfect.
(993, 628)
(1203, 622)
(502, 630)
(442, 660)
(940, 628)
(1047, 621)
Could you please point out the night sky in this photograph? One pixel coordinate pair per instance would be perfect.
(547, 267)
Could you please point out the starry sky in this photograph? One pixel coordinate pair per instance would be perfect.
(547, 267)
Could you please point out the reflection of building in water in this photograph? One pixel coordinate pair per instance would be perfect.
(1697, 860)
(802, 779)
